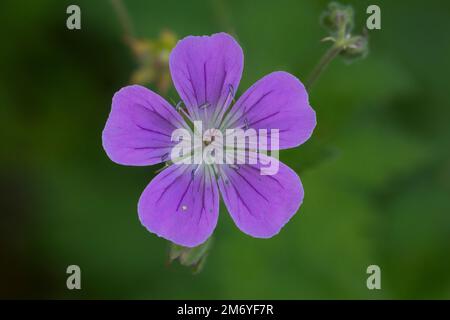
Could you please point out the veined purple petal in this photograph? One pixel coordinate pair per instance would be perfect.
(260, 205)
(139, 127)
(181, 204)
(277, 101)
(205, 70)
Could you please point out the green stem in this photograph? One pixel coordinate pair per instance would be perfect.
(323, 63)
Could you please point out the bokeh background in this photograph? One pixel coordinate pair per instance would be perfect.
(376, 171)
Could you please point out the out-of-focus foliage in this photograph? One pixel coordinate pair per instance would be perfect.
(153, 60)
(376, 172)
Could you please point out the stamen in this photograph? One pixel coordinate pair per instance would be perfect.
(204, 107)
(245, 123)
(164, 156)
(180, 109)
(166, 165)
(226, 180)
(194, 171)
(231, 92)
(217, 117)
(227, 113)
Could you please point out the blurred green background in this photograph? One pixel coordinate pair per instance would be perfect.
(376, 172)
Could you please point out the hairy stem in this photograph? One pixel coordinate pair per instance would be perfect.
(323, 63)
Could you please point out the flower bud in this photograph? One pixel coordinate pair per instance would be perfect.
(358, 47)
(338, 18)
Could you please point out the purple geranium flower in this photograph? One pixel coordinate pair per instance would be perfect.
(181, 204)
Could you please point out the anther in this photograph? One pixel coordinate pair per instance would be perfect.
(181, 110)
(246, 123)
(231, 91)
(178, 107)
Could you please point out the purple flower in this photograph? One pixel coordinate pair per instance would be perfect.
(181, 204)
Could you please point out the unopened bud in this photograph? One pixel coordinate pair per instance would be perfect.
(338, 18)
(358, 47)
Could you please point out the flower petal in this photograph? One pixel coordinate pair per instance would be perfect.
(180, 205)
(139, 127)
(277, 101)
(205, 70)
(260, 205)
